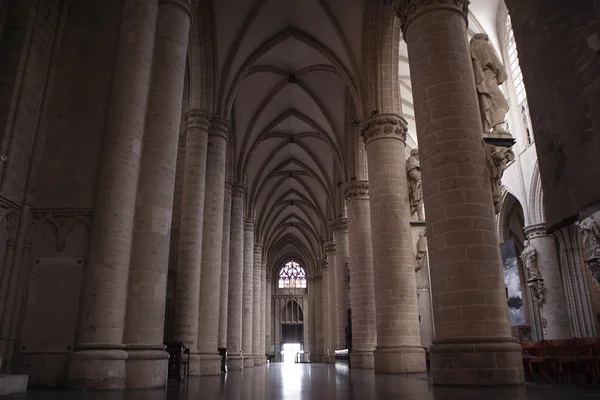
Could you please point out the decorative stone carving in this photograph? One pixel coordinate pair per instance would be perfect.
(340, 224)
(249, 224)
(257, 247)
(238, 189)
(330, 247)
(219, 126)
(408, 10)
(421, 251)
(324, 264)
(415, 185)
(591, 242)
(229, 185)
(489, 75)
(498, 158)
(384, 125)
(356, 190)
(263, 265)
(62, 223)
(535, 281)
(197, 119)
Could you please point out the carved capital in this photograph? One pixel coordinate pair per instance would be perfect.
(229, 185)
(324, 263)
(219, 126)
(356, 190)
(409, 10)
(257, 247)
(197, 119)
(269, 279)
(186, 5)
(330, 247)
(384, 126)
(535, 231)
(27, 246)
(340, 224)
(249, 224)
(238, 188)
(263, 266)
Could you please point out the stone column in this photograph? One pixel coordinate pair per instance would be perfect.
(340, 235)
(398, 339)
(326, 314)
(268, 314)
(331, 250)
(424, 297)
(256, 295)
(144, 324)
(318, 314)
(98, 360)
(554, 307)
(224, 296)
(212, 248)
(236, 278)
(473, 344)
(263, 311)
(248, 293)
(187, 298)
(362, 294)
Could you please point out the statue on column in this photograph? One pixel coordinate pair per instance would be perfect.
(489, 75)
(498, 158)
(415, 194)
(421, 251)
(535, 282)
(591, 243)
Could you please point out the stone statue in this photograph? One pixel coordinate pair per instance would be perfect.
(489, 75)
(535, 282)
(415, 194)
(421, 251)
(591, 243)
(498, 158)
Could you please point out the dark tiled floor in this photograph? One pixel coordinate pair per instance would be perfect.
(322, 382)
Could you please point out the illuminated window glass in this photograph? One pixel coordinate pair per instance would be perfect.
(292, 275)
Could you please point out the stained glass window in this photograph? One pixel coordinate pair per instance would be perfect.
(292, 275)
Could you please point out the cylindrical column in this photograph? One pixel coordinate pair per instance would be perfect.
(268, 314)
(398, 339)
(248, 292)
(340, 235)
(326, 317)
(362, 294)
(98, 361)
(236, 278)
(331, 250)
(317, 308)
(187, 297)
(473, 344)
(144, 324)
(424, 297)
(212, 243)
(553, 309)
(256, 295)
(224, 297)
(263, 311)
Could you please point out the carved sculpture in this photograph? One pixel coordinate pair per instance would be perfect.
(489, 75)
(415, 194)
(498, 158)
(535, 282)
(421, 251)
(591, 242)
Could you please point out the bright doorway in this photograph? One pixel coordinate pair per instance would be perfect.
(289, 351)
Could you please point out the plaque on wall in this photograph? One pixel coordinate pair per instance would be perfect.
(52, 305)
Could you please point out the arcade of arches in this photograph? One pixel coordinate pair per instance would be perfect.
(242, 174)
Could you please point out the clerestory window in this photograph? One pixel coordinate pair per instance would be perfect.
(292, 275)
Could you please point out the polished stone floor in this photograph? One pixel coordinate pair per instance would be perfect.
(321, 382)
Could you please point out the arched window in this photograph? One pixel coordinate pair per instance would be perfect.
(292, 275)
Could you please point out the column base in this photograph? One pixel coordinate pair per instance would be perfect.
(146, 368)
(362, 360)
(235, 363)
(248, 361)
(97, 369)
(194, 367)
(209, 364)
(477, 363)
(399, 360)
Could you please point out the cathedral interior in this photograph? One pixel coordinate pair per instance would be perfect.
(379, 198)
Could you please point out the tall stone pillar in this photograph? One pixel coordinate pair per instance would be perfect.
(473, 344)
(256, 296)
(98, 360)
(340, 235)
(212, 248)
(326, 317)
(187, 298)
(362, 294)
(248, 293)
(317, 308)
(331, 249)
(263, 311)
(553, 309)
(224, 295)
(268, 314)
(144, 322)
(424, 297)
(236, 278)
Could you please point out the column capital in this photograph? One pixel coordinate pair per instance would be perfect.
(257, 246)
(340, 224)
(263, 266)
(324, 263)
(27, 245)
(219, 126)
(356, 190)
(330, 247)
(229, 185)
(534, 231)
(187, 5)
(197, 119)
(408, 10)
(380, 126)
(269, 279)
(238, 188)
(249, 224)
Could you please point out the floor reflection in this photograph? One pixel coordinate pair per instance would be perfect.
(321, 382)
